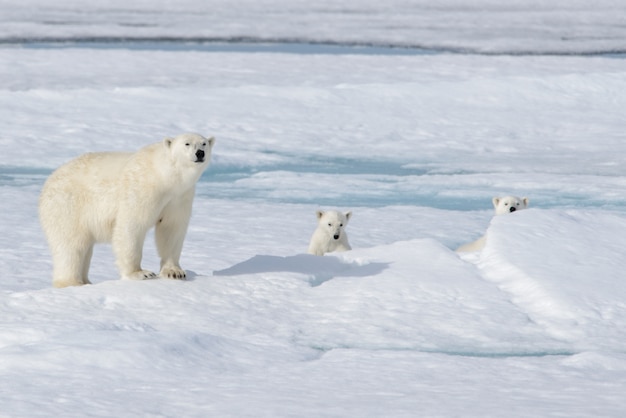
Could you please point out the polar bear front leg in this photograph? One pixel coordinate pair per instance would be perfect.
(128, 239)
(343, 246)
(170, 232)
(319, 243)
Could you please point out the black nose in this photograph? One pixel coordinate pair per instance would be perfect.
(200, 155)
(512, 209)
(336, 236)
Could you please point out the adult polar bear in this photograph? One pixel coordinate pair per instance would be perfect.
(117, 197)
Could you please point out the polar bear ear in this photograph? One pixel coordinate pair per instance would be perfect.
(319, 214)
(348, 215)
(525, 200)
(211, 142)
(168, 142)
(495, 201)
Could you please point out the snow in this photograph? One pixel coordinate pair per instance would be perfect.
(415, 144)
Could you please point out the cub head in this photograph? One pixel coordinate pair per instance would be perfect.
(509, 204)
(333, 222)
(191, 147)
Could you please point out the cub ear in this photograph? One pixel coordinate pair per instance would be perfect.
(348, 215)
(211, 142)
(495, 201)
(167, 142)
(319, 214)
(525, 200)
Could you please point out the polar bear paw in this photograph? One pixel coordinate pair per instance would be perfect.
(141, 275)
(173, 273)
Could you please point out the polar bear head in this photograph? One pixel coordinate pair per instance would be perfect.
(333, 222)
(194, 148)
(509, 204)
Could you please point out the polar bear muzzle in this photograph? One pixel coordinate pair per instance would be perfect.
(512, 209)
(200, 156)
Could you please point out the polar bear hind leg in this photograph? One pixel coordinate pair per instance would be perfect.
(71, 250)
(71, 263)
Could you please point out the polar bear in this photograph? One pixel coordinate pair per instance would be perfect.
(509, 204)
(330, 234)
(117, 197)
(502, 205)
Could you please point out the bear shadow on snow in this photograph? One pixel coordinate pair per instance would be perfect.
(320, 269)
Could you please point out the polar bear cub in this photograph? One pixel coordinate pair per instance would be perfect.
(502, 205)
(117, 197)
(509, 204)
(330, 234)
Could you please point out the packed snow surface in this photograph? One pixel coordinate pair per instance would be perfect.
(415, 144)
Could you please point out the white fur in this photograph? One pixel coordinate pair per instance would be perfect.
(502, 205)
(117, 197)
(509, 204)
(330, 234)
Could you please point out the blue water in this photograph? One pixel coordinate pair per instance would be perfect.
(223, 182)
(234, 46)
(253, 45)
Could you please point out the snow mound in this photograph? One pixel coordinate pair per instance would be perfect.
(410, 295)
(565, 269)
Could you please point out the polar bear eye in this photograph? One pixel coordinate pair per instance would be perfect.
(340, 224)
(329, 224)
(187, 144)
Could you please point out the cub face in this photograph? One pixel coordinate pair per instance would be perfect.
(509, 204)
(333, 222)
